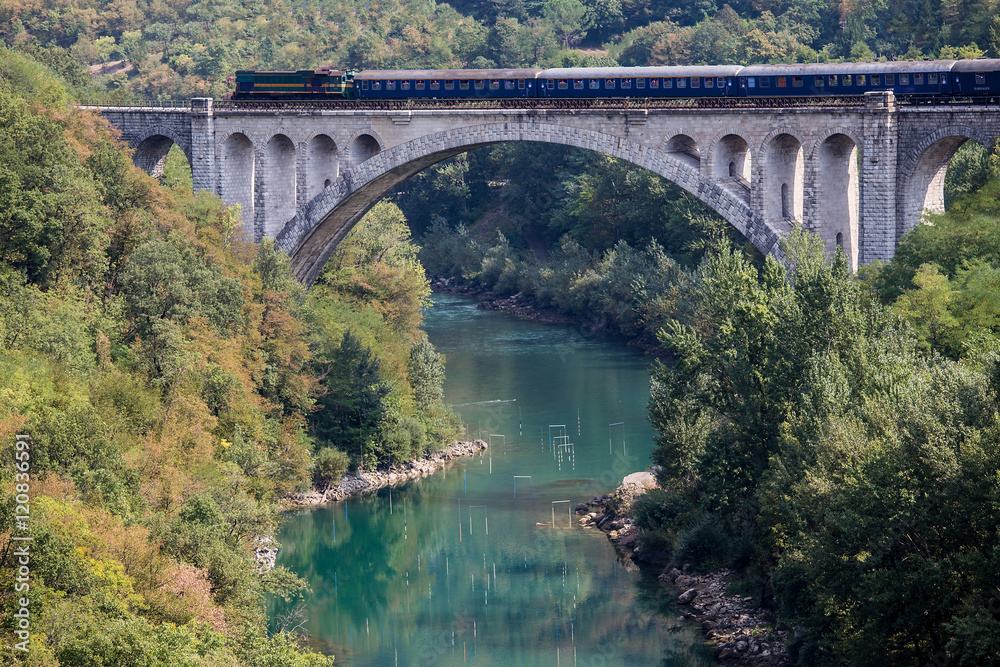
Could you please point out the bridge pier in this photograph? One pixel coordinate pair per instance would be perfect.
(857, 174)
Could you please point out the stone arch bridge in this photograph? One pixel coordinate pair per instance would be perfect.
(859, 176)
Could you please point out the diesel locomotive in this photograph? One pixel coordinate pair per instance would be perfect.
(926, 79)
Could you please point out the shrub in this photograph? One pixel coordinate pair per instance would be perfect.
(330, 466)
(705, 545)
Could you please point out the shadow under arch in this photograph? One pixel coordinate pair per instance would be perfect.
(150, 152)
(316, 230)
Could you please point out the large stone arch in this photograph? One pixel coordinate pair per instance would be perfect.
(317, 229)
(923, 170)
(237, 176)
(835, 213)
(277, 183)
(151, 148)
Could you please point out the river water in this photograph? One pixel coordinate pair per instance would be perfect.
(484, 564)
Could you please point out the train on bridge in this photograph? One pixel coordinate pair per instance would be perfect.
(928, 80)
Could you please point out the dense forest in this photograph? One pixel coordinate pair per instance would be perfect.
(832, 438)
(176, 382)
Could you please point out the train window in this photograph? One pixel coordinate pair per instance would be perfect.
(918, 79)
(654, 83)
(390, 85)
(832, 79)
(626, 83)
(797, 82)
(890, 79)
(640, 83)
(508, 84)
(819, 82)
(435, 85)
(682, 82)
(520, 84)
(594, 84)
(765, 82)
(609, 84)
(364, 85)
(709, 82)
(494, 84)
(904, 79)
(862, 79)
(563, 84)
(847, 80)
(376, 85)
(480, 84)
(720, 82)
(932, 79)
(405, 85)
(550, 84)
(419, 85)
(876, 80)
(752, 81)
(980, 79)
(781, 81)
(577, 84)
(463, 85)
(449, 85)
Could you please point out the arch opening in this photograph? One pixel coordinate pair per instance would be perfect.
(924, 192)
(322, 164)
(236, 180)
(785, 174)
(732, 165)
(684, 148)
(364, 148)
(151, 154)
(836, 208)
(278, 188)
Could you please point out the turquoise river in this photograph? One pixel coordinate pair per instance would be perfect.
(483, 563)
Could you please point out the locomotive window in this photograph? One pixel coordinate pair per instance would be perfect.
(594, 84)
(980, 79)
(904, 79)
(832, 79)
(494, 84)
(405, 85)
(654, 83)
(480, 84)
(709, 82)
(932, 79)
(609, 84)
(563, 84)
(435, 85)
(640, 83)
(682, 82)
(463, 85)
(520, 84)
(876, 80)
(765, 82)
(508, 84)
(390, 85)
(376, 85)
(419, 85)
(626, 83)
(890, 79)
(720, 82)
(781, 81)
(797, 82)
(577, 84)
(819, 82)
(847, 80)
(918, 79)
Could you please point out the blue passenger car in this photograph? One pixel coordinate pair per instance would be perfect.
(928, 77)
(978, 78)
(445, 83)
(576, 82)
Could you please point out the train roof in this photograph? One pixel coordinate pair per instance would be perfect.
(850, 68)
(637, 72)
(372, 74)
(980, 65)
(306, 72)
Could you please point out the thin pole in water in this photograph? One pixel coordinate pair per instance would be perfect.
(334, 531)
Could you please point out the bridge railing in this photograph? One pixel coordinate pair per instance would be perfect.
(136, 103)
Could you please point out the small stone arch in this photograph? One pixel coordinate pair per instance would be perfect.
(363, 146)
(320, 226)
(237, 174)
(277, 191)
(923, 171)
(683, 147)
(322, 164)
(783, 178)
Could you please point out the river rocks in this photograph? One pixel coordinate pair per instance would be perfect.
(688, 596)
(581, 508)
(265, 552)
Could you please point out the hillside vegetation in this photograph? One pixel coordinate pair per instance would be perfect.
(176, 382)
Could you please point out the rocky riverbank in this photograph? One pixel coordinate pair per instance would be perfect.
(744, 635)
(367, 482)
